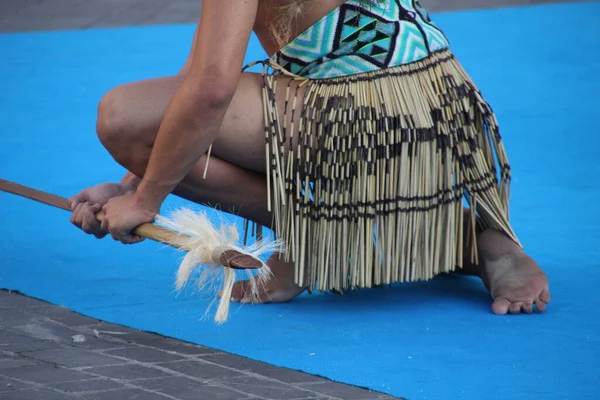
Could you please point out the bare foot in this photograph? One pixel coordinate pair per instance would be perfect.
(280, 288)
(514, 279)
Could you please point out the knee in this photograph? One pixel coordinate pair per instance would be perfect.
(116, 131)
(110, 124)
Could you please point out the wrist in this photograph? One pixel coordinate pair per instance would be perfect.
(150, 195)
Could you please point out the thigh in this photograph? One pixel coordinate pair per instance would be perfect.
(241, 139)
(138, 108)
(135, 110)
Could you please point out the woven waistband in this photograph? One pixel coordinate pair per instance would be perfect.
(357, 38)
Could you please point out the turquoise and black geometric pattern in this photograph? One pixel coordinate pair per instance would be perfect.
(358, 37)
(364, 34)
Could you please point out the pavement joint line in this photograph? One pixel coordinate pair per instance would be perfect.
(36, 385)
(130, 383)
(128, 387)
(188, 357)
(101, 335)
(210, 382)
(125, 382)
(162, 369)
(55, 365)
(124, 343)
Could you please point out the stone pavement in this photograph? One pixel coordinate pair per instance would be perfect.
(50, 353)
(27, 15)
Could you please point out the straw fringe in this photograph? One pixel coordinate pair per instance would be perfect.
(368, 180)
(208, 243)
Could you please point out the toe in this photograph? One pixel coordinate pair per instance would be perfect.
(515, 308)
(540, 306)
(273, 295)
(542, 302)
(500, 306)
(239, 290)
(255, 292)
(545, 296)
(261, 297)
(527, 307)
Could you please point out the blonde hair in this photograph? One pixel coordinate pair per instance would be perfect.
(281, 28)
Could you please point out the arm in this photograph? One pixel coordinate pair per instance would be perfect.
(197, 108)
(188, 62)
(131, 181)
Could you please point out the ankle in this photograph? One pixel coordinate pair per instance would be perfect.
(493, 245)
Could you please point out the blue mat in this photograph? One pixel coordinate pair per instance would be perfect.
(438, 340)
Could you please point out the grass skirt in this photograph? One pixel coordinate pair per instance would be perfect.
(368, 185)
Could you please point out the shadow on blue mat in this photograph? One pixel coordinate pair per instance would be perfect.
(433, 340)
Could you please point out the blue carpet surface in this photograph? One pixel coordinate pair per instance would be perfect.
(538, 67)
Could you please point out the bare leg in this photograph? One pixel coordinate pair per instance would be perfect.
(129, 118)
(128, 121)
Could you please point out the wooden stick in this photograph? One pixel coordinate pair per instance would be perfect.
(229, 258)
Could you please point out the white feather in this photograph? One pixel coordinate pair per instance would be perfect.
(203, 240)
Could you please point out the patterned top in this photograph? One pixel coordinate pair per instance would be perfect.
(357, 38)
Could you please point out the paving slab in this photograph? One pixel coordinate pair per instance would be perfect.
(51, 353)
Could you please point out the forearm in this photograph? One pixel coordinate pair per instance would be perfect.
(196, 110)
(185, 69)
(188, 128)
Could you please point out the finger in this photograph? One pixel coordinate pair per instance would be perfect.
(104, 225)
(76, 215)
(89, 222)
(132, 238)
(137, 239)
(95, 208)
(125, 238)
(119, 236)
(91, 209)
(100, 234)
(95, 212)
(77, 199)
(73, 217)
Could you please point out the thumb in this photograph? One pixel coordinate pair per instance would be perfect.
(75, 200)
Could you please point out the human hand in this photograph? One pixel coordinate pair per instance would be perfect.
(86, 204)
(122, 214)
